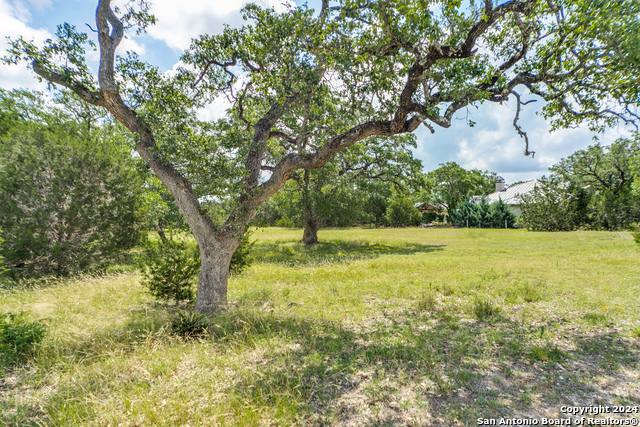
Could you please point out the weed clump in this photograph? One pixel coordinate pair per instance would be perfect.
(596, 318)
(427, 302)
(18, 337)
(485, 309)
(525, 292)
(189, 324)
(546, 354)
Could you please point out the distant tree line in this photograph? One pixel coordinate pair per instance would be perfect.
(338, 199)
(360, 203)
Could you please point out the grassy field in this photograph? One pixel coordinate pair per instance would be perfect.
(415, 327)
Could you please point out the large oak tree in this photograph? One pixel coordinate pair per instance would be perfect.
(306, 84)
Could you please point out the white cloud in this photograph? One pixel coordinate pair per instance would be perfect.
(177, 25)
(216, 110)
(493, 144)
(13, 26)
(129, 45)
(38, 4)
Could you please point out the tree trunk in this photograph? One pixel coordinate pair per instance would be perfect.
(310, 236)
(160, 230)
(215, 257)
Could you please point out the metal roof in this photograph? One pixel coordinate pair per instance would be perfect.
(511, 195)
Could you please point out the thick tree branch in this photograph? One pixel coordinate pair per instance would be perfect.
(283, 136)
(292, 162)
(90, 96)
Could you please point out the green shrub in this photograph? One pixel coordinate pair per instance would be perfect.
(635, 232)
(241, 259)
(172, 269)
(501, 215)
(465, 215)
(67, 202)
(286, 223)
(18, 336)
(484, 215)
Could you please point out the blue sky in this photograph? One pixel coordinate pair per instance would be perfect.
(492, 144)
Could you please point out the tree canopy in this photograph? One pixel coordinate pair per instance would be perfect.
(452, 185)
(592, 188)
(308, 83)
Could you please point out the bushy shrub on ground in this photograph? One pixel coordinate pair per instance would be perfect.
(67, 202)
(465, 215)
(171, 272)
(241, 259)
(635, 233)
(171, 269)
(18, 336)
(501, 215)
(553, 207)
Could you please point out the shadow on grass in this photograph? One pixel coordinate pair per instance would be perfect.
(292, 252)
(425, 369)
(333, 373)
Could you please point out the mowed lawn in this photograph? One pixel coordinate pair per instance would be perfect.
(431, 327)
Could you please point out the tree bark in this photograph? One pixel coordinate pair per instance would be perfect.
(311, 226)
(310, 236)
(215, 258)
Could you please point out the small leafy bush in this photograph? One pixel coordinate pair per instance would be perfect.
(241, 259)
(172, 270)
(635, 232)
(189, 324)
(286, 223)
(18, 336)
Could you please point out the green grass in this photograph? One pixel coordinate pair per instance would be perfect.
(369, 327)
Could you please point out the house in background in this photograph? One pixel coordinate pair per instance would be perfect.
(511, 195)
